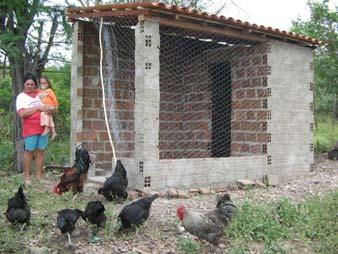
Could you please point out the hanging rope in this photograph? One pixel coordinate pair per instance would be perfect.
(104, 94)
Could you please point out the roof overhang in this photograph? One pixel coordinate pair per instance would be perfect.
(185, 18)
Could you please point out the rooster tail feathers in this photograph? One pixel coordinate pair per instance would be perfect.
(82, 160)
(226, 208)
(225, 199)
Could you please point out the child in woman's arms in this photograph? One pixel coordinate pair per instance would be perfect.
(47, 96)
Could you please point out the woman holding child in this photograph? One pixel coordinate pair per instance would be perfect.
(29, 108)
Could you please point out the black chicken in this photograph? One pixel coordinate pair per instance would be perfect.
(135, 213)
(114, 188)
(66, 221)
(94, 212)
(18, 210)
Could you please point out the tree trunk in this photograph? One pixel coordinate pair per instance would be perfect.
(17, 74)
(4, 66)
(335, 105)
(314, 109)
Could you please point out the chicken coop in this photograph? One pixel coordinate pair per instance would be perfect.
(190, 99)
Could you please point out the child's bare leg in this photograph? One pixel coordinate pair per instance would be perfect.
(54, 134)
(46, 130)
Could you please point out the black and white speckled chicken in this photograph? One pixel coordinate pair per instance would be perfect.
(208, 225)
(18, 211)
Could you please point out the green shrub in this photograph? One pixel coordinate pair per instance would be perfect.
(6, 155)
(58, 151)
(326, 135)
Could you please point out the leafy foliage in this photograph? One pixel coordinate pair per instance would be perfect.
(6, 94)
(325, 134)
(323, 24)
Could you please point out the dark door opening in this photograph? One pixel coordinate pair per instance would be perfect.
(220, 75)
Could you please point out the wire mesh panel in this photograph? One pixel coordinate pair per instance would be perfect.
(212, 95)
(118, 45)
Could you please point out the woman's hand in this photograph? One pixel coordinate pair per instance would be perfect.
(42, 95)
(45, 108)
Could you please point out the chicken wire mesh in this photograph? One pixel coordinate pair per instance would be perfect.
(118, 74)
(212, 92)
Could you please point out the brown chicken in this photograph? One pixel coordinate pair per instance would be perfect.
(74, 177)
(210, 225)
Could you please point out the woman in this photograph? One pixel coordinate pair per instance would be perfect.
(29, 108)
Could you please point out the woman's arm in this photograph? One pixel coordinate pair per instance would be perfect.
(29, 111)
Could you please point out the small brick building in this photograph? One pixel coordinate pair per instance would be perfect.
(197, 100)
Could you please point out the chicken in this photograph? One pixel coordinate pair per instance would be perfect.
(18, 211)
(94, 212)
(66, 221)
(114, 188)
(210, 225)
(74, 177)
(137, 212)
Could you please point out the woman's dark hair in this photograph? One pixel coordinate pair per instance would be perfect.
(45, 78)
(31, 76)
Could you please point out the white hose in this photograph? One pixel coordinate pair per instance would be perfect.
(104, 94)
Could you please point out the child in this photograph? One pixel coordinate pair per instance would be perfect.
(47, 96)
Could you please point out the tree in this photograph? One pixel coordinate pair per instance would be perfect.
(28, 30)
(323, 24)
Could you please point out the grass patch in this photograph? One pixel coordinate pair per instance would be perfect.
(188, 246)
(275, 225)
(325, 134)
(44, 207)
(58, 151)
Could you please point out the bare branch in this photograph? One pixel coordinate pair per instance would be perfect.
(53, 29)
(221, 8)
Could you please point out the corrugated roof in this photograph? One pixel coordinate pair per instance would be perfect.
(81, 12)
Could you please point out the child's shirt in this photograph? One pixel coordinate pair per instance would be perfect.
(50, 98)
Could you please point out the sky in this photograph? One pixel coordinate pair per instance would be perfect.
(274, 13)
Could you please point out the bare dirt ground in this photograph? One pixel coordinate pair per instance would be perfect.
(160, 233)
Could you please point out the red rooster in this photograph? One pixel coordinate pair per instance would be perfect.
(74, 177)
(210, 225)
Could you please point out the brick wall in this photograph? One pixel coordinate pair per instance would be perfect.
(184, 109)
(186, 104)
(94, 135)
(249, 100)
